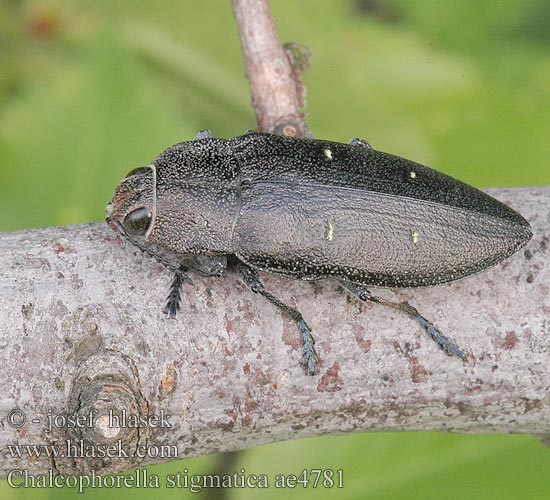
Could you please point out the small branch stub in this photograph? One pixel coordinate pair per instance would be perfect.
(108, 411)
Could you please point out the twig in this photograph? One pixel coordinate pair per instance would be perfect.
(274, 83)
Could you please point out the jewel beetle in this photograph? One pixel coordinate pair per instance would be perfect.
(311, 209)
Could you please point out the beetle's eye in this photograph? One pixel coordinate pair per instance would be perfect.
(138, 221)
(140, 170)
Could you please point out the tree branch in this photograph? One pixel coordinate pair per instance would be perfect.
(82, 330)
(273, 73)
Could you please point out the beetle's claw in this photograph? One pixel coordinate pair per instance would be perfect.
(309, 360)
(172, 306)
(171, 309)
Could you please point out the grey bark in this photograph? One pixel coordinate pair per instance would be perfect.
(82, 329)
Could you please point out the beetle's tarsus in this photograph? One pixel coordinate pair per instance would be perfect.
(203, 134)
(173, 301)
(309, 356)
(443, 342)
(360, 142)
(449, 347)
(251, 278)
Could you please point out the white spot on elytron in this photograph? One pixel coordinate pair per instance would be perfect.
(329, 231)
(413, 175)
(328, 154)
(414, 236)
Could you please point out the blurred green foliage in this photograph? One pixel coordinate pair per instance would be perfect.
(90, 90)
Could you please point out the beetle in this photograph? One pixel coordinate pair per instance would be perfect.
(311, 209)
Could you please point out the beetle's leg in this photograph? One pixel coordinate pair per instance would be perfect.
(204, 265)
(173, 300)
(360, 142)
(363, 294)
(252, 279)
(203, 134)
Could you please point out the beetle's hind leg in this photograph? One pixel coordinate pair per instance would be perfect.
(252, 279)
(363, 294)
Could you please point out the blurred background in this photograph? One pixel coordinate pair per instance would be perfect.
(90, 90)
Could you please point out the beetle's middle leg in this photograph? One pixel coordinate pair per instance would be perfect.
(252, 279)
(363, 294)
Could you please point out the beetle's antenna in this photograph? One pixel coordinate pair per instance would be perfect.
(161, 260)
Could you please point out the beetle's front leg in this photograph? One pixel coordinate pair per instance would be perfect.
(205, 265)
(173, 300)
(363, 294)
(252, 279)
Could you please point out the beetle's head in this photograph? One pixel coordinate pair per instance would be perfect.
(132, 208)
(184, 203)
(132, 212)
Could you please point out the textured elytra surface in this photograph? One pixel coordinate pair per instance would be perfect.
(314, 209)
(373, 239)
(271, 158)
